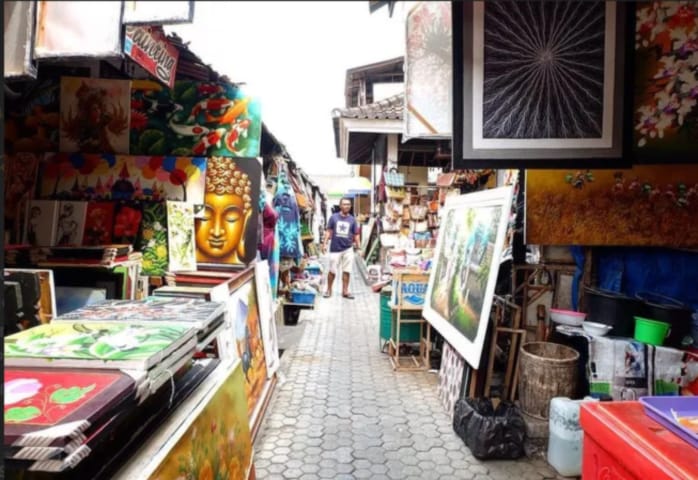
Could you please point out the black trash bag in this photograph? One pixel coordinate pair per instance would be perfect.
(490, 433)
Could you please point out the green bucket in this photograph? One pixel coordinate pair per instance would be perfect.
(410, 332)
(650, 331)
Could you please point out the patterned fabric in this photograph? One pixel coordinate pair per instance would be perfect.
(269, 219)
(288, 224)
(450, 378)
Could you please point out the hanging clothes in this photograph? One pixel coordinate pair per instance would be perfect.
(288, 223)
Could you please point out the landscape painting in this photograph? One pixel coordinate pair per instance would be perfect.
(647, 205)
(467, 258)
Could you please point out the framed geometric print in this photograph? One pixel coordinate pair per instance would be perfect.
(537, 81)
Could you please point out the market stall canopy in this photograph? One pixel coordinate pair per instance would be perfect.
(351, 186)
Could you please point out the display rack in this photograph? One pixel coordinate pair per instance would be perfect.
(409, 362)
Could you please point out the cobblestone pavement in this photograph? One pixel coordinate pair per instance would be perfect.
(339, 411)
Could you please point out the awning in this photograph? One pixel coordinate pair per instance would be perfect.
(351, 186)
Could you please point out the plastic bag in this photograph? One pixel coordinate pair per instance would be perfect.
(490, 433)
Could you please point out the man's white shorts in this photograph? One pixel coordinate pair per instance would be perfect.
(343, 260)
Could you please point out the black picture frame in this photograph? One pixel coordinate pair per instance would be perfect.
(465, 156)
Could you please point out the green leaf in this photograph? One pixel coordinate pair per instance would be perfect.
(21, 414)
(148, 138)
(70, 395)
(181, 152)
(188, 96)
(157, 148)
(101, 350)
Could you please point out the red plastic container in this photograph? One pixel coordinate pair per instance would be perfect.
(622, 442)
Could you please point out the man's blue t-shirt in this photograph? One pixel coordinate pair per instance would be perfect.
(343, 230)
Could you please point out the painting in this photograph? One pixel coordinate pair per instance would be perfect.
(180, 236)
(647, 205)
(20, 180)
(36, 399)
(248, 342)
(78, 29)
(73, 298)
(122, 177)
(428, 71)
(95, 115)
(460, 289)
(531, 88)
(226, 231)
(665, 117)
(95, 345)
(266, 317)
(99, 220)
(450, 378)
(194, 119)
(153, 240)
(217, 445)
(71, 223)
(127, 222)
(42, 220)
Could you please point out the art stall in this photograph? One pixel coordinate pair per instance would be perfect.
(136, 302)
(560, 295)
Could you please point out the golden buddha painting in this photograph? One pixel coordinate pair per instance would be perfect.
(226, 230)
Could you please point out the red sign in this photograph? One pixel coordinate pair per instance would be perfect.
(149, 47)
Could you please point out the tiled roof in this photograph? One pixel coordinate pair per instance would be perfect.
(388, 109)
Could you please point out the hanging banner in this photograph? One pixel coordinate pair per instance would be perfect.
(149, 47)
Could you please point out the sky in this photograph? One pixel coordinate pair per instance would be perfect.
(294, 56)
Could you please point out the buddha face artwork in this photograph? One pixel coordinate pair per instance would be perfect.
(226, 230)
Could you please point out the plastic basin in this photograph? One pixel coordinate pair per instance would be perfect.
(651, 331)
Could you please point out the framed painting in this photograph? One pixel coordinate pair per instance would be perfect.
(665, 116)
(265, 302)
(71, 223)
(180, 236)
(20, 181)
(537, 81)
(428, 71)
(226, 231)
(95, 114)
(647, 205)
(460, 289)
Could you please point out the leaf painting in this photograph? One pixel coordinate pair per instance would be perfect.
(217, 445)
(180, 231)
(94, 343)
(153, 240)
(81, 176)
(95, 115)
(194, 119)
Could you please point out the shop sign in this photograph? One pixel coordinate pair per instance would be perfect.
(149, 47)
(414, 289)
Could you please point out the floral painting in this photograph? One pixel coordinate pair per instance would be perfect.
(217, 445)
(466, 263)
(428, 71)
(127, 222)
(95, 115)
(153, 240)
(194, 119)
(226, 231)
(122, 177)
(248, 343)
(642, 206)
(90, 344)
(180, 236)
(266, 316)
(98, 223)
(666, 88)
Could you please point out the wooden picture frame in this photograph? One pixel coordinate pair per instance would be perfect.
(485, 136)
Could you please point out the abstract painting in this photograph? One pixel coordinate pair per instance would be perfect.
(98, 223)
(643, 206)
(180, 236)
(665, 117)
(226, 231)
(95, 115)
(153, 239)
(266, 317)
(217, 444)
(121, 177)
(42, 219)
(248, 343)
(95, 345)
(534, 88)
(71, 223)
(428, 71)
(450, 378)
(194, 119)
(36, 399)
(461, 286)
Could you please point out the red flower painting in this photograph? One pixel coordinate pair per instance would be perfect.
(127, 222)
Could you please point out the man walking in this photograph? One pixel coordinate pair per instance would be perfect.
(342, 233)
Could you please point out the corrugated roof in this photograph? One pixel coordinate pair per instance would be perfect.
(390, 108)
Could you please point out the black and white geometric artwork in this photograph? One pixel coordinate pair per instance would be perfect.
(543, 69)
(450, 378)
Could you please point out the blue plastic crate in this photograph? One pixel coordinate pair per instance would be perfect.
(302, 297)
(313, 269)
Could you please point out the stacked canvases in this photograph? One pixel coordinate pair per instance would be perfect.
(69, 382)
